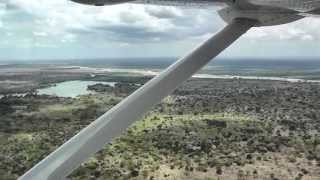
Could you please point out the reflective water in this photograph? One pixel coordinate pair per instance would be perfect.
(71, 88)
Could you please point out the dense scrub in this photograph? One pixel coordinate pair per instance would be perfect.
(207, 129)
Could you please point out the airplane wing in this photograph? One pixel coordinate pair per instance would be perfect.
(93, 138)
(185, 3)
(296, 5)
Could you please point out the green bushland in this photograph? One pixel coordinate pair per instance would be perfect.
(202, 127)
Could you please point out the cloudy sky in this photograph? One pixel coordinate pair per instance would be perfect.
(60, 29)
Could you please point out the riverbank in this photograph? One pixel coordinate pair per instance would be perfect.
(28, 78)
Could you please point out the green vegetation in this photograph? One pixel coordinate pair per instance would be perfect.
(207, 129)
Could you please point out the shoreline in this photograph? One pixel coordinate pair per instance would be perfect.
(292, 80)
(198, 75)
(31, 79)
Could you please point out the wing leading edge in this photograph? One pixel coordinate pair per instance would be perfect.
(192, 3)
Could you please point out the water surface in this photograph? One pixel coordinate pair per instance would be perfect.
(71, 88)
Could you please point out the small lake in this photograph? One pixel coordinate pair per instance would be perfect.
(71, 88)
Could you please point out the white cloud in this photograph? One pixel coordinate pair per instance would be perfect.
(164, 12)
(40, 34)
(61, 16)
(2, 12)
(304, 29)
(57, 17)
(58, 23)
(133, 15)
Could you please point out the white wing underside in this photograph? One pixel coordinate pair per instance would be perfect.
(183, 3)
(294, 5)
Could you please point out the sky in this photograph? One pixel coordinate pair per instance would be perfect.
(61, 29)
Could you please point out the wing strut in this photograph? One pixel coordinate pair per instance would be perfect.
(93, 138)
